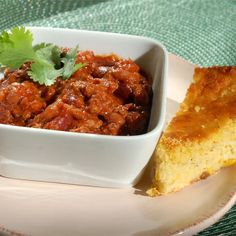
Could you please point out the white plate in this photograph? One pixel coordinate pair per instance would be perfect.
(37, 208)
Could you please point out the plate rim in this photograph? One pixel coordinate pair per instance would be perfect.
(197, 226)
(210, 219)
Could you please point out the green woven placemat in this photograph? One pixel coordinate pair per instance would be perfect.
(201, 31)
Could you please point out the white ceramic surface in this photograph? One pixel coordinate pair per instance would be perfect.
(37, 208)
(89, 159)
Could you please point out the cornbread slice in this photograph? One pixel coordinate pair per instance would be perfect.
(201, 138)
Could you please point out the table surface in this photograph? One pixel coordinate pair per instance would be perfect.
(201, 31)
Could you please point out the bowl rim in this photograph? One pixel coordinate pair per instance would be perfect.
(158, 128)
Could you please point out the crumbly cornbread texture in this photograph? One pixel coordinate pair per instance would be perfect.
(201, 138)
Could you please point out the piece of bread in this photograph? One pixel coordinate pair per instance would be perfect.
(201, 138)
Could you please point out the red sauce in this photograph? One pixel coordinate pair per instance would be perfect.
(109, 95)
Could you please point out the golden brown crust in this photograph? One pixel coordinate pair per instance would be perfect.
(209, 103)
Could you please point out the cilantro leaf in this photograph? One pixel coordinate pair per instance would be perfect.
(16, 47)
(44, 73)
(70, 65)
(47, 62)
(5, 41)
(40, 45)
(22, 38)
(50, 54)
(45, 55)
(43, 68)
(56, 53)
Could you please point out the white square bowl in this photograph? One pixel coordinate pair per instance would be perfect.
(89, 159)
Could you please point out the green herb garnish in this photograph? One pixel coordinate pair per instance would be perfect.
(16, 48)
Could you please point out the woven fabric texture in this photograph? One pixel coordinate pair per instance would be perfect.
(201, 31)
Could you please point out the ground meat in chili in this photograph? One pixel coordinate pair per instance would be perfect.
(109, 95)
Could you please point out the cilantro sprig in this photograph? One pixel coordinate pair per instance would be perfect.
(48, 63)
